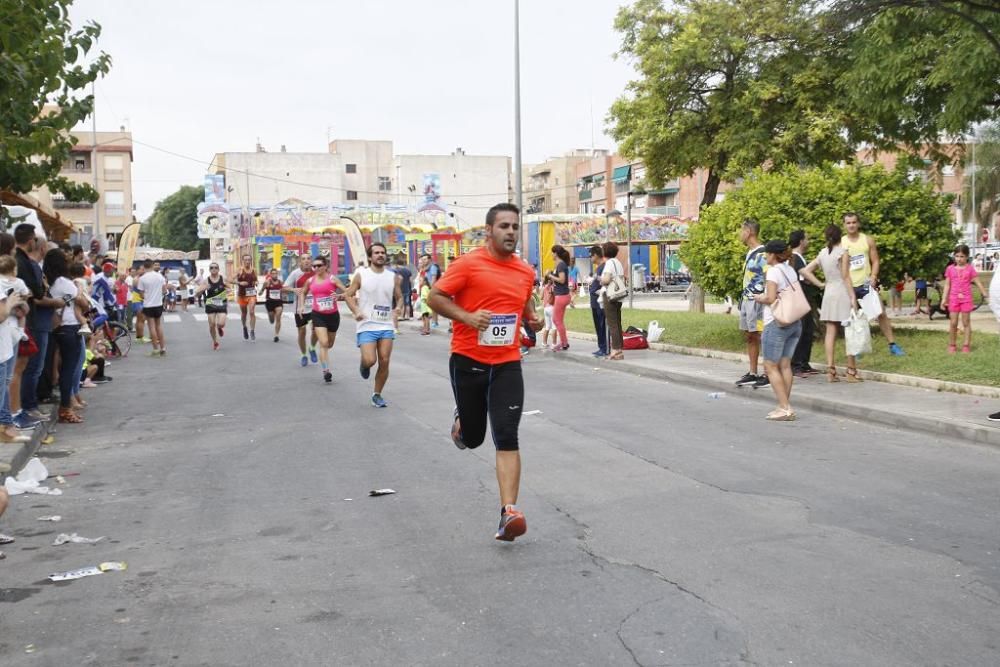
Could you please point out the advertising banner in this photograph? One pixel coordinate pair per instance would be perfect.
(215, 188)
(127, 245)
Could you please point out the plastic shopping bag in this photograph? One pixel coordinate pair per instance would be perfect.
(858, 335)
(655, 331)
(871, 305)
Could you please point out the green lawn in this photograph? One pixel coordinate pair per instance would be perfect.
(926, 351)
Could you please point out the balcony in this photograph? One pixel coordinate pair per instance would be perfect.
(663, 210)
(62, 203)
(586, 194)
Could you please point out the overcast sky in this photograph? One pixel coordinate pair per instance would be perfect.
(197, 78)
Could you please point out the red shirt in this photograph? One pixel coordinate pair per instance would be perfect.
(480, 281)
(250, 278)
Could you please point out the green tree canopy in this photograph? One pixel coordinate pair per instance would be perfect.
(728, 85)
(911, 223)
(921, 70)
(42, 61)
(174, 222)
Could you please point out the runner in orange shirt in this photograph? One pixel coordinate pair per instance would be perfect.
(487, 293)
(246, 297)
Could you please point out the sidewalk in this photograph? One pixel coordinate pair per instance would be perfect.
(918, 409)
(13, 455)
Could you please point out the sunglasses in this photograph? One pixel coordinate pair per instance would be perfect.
(213, 268)
(318, 266)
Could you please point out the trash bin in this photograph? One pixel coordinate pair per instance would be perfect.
(638, 277)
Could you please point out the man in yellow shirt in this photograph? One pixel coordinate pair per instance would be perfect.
(864, 261)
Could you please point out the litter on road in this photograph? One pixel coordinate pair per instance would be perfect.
(380, 492)
(531, 412)
(88, 571)
(63, 538)
(6, 539)
(28, 480)
(51, 517)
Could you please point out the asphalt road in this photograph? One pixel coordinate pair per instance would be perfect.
(665, 528)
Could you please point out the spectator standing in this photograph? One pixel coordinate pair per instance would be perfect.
(838, 297)
(39, 321)
(66, 334)
(959, 278)
(548, 307)
(596, 311)
(751, 312)
(405, 286)
(799, 242)
(151, 286)
(863, 256)
(612, 309)
(778, 341)
(561, 293)
(920, 297)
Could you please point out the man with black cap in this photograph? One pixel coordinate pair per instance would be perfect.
(597, 260)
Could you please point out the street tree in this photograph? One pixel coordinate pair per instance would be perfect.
(45, 67)
(728, 86)
(912, 223)
(921, 72)
(174, 222)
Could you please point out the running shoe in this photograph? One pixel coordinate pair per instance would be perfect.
(456, 432)
(103, 380)
(378, 401)
(896, 350)
(761, 382)
(25, 423)
(304, 361)
(312, 357)
(749, 378)
(253, 335)
(222, 331)
(38, 414)
(246, 334)
(215, 345)
(366, 371)
(275, 339)
(327, 377)
(995, 417)
(599, 353)
(512, 524)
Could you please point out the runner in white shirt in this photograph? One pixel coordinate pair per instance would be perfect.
(370, 296)
(295, 283)
(151, 286)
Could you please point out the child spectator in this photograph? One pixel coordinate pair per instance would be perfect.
(957, 294)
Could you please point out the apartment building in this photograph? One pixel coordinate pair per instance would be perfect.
(551, 187)
(106, 165)
(363, 172)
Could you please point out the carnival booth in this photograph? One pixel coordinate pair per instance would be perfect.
(655, 241)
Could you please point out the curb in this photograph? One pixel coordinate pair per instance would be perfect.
(12, 459)
(970, 432)
(979, 390)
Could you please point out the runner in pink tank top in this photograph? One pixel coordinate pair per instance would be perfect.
(325, 317)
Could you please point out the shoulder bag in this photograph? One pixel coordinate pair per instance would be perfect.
(616, 289)
(791, 304)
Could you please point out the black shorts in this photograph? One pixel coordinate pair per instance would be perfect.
(482, 390)
(302, 320)
(215, 310)
(154, 313)
(921, 292)
(328, 321)
(273, 305)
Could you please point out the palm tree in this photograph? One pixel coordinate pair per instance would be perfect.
(987, 169)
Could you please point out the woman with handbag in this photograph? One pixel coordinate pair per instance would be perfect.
(839, 300)
(65, 334)
(615, 289)
(784, 306)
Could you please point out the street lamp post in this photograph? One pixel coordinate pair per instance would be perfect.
(519, 195)
(628, 219)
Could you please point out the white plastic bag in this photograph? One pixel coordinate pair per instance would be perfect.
(858, 335)
(871, 305)
(654, 331)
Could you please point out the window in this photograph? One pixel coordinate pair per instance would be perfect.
(114, 202)
(351, 168)
(384, 184)
(80, 164)
(113, 168)
(352, 195)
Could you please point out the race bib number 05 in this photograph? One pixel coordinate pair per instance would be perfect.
(381, 313)
(500, 332)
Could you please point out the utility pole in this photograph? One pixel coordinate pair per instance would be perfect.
(519, 195)
(93, 160)
(628, 219)
(975, 212)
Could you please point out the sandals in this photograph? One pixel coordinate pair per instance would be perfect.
(852, 376)
(780, 415)
(67, 416)
(831, 374)
(617, 356)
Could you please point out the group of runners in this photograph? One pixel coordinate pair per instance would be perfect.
(487, 294)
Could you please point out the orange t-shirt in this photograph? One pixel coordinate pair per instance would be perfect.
(480, 281)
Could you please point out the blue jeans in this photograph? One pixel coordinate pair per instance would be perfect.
(600, 326)
(33, 371)
(6, 374)
(68, 339)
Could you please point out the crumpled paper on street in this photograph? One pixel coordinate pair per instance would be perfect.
(63, 538)
(28, 480)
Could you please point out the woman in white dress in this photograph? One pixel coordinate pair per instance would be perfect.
(838, 297)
